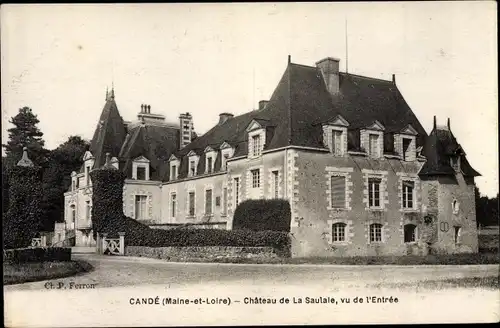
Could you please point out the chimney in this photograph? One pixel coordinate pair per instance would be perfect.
(145, 116)
(186, 129)
(263, 104)
(223, 117)
(330, 70)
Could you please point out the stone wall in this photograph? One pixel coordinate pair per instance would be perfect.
(201, 253)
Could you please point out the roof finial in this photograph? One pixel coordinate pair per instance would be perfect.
(448, 124)
(394, 78)
(289, 59)
(434, 122)
(107, 93)
(346, 49)
(25, 161)
(112, 95)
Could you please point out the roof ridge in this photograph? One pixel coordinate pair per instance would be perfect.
(365, 77)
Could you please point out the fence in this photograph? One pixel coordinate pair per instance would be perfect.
(110, 246)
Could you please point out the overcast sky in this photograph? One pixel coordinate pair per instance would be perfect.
(214, 58)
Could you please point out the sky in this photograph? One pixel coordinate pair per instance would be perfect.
(212, 58)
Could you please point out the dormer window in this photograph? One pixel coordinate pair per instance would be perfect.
(193, 164)
(174, 167)
(256, 139)
(88, 162)
(405, 143)
(335, 135)
(372, 139)
(455, 162)
(140, 168)
(227, 152)
(210, 156)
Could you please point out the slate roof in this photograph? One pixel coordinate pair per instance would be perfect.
(440, 145)
(109, 133)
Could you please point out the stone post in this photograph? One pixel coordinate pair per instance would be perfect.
(103, 245)
(122, 243)
(43, 241)
(98, 243)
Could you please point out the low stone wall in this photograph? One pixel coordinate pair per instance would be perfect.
(38, 254)
(201, 253)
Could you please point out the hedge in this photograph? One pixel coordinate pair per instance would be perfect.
(39, 254)
(22, 221)
(263, 215)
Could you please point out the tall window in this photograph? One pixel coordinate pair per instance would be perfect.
(410, 231)
(236, 191)
(374, 192)
(337, 194)
(256, 145)
(373, 145)
(458, 234)
(73, 213)
(338, 232)
(255, 178)
(88, 209)
(73, 185)
(87, 175)
(192, 168)
(406, 148)
(208, 202)
(141, 173)
(173, 205)
(224, 199)
(173, 172)
(336, 142)
(140, 207)
(375, 232)
(191, 203)
(275, 184)
(408, 188)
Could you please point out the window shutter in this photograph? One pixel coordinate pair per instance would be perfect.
(338, 191)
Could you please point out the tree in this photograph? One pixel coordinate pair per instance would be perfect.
(25, 133)
(486, 209)
(62, 161)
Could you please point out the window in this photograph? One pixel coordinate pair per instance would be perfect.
(455, 206)
(337, 191)
(88, 210)
(338, 232)
(408, 187)
(236, 191)
(224, 199)
(375, 232)
(208, 202)
(77, 183)
(87, 175)
(173, 205)
(256, 145)
(373, 145)
(336, 142)
(140, 207)
(224, 161)
(458, 233)
(141, 173)
(73, 213)
(406, 148)
(173, 172)
(192, 168)
(410, 231)
(73, 185)
(255, 178)
(209, 164)
(374, 192)
(455, 162)
(275, 184)
(191, 203)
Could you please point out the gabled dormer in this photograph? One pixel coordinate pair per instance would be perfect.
(455, 159)
(210, 156)
(405, 143)
(174, 163)
(140, 168)
(226, 152)
(193, 160)
(88, 164)
(372, 139)
(114, 161)
(335, 135)
(256, 139)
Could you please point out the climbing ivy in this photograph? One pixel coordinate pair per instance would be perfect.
(22, 221)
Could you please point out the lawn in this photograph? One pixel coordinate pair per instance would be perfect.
(35, 271)
(472, 282)
(488, 242)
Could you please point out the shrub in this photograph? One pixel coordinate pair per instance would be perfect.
(39, 254)
(21, 222)
(263, 215)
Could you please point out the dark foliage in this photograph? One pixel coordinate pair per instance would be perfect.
(486, 209)
(38, 254)
(21, 222)
(263, 215)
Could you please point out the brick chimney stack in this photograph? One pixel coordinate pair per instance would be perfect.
(329, 68)
(186, 129)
